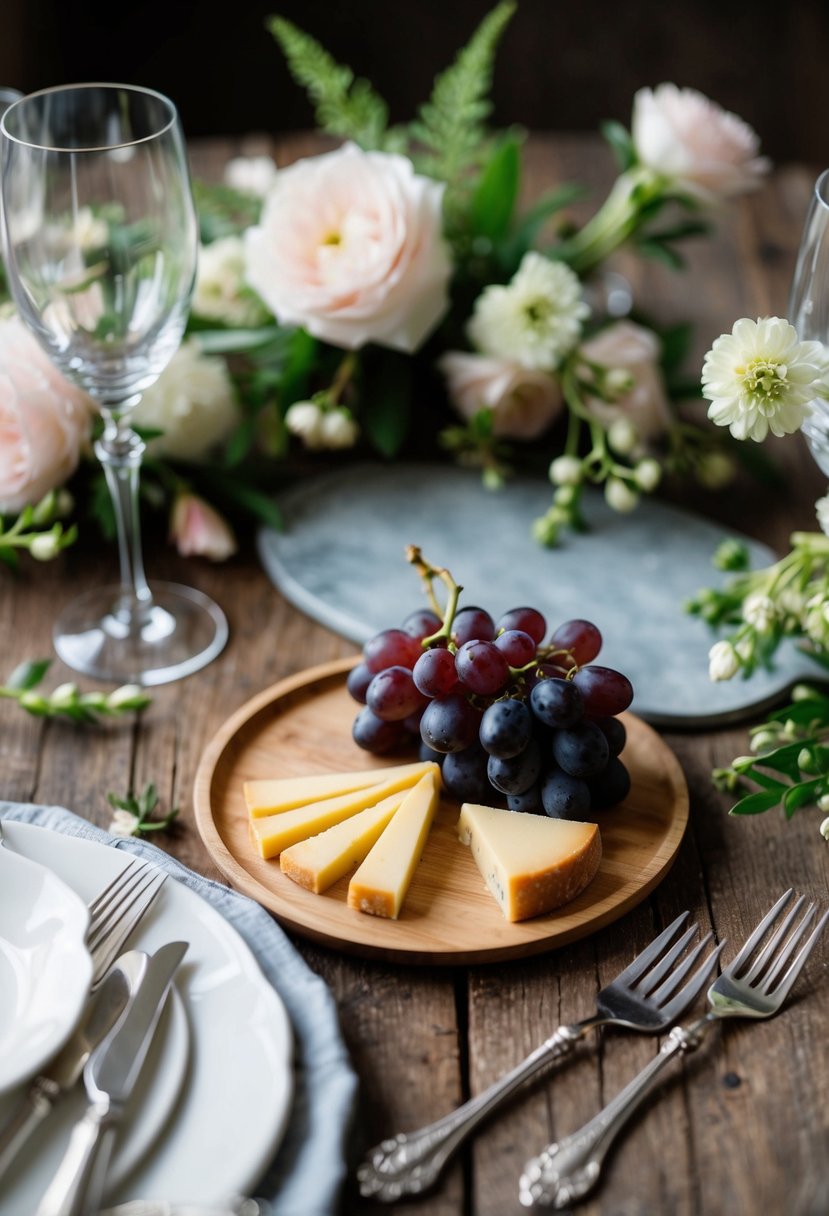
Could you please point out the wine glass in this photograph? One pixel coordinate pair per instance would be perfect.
(809, 305)
(100, 240)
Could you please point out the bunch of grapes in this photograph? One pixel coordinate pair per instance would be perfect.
(508, 716)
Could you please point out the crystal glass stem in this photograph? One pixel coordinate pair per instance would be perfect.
(120, 451)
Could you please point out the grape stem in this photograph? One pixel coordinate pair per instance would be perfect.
(428, 574)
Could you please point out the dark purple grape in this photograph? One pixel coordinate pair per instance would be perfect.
(610, 787)
(527, 619)
(375, 735)
(556, 702)
(392, 695)
(358, 681)
(391, 648)
(412, 721)
(472, 624)
(450, 723)
(517, 774)
(516, 646)
(424, 752)
(605, 692)
(544, 671)
(506, 728)
(582, 751)
(435, 673)
(580, 639)
(529, 802)
(464, 774)
(482, 667)
(564, 796)
(421, 623)
(615, 733)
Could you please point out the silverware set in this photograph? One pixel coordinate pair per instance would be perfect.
(647, 997)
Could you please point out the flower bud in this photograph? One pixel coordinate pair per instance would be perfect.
(304, 419)
(545, 529)
(823, 803)
(565, 496)
(617, 383)
(566, 471)
(64, 696)
(764, 741)
(45, 546)
(622, 436)
(128, 696)
(96, 701)
(44, 512)
(123, 823)
(337, 429)
(715, 471)
(742, 763)
(731, 554)
(806, 761)
(824, 829)
(759, 611)
(34, 703)
(648, 474)
(620, 496)
(722, 661)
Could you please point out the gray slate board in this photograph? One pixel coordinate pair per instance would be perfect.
(341, 561)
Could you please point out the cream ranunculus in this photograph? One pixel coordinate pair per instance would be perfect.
(524, 403)
(44, 420)
(708, 152)
(220, 293)
(350, 247)
(192, 402)
(632, 350)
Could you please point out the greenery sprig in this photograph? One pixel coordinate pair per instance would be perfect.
(67, 701)
(134, 814)
(37, 530)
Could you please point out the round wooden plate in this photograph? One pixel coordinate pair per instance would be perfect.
(303, 725)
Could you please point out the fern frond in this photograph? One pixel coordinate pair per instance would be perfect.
(344, 107)
(451, 126)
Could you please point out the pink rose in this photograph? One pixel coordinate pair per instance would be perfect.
(681, 134)
(43, 420)
(523, 402)
(198, 530)
(350, 247)
(631, 348)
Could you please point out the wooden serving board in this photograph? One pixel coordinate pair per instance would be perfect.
(303, 725)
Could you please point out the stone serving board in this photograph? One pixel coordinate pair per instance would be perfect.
(340, 559)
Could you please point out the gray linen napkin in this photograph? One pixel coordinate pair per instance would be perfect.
(307, 1174)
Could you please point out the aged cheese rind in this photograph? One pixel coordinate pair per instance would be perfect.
(273, 833)
(530, 863)
(380, 884)
(317, 863)
(271, 796)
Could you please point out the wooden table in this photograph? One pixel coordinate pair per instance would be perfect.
(743, 1127)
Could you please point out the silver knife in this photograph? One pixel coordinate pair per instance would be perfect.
(109, 1076)
(101, 1014)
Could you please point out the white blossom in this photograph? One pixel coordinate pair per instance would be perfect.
(566, 471)
(338, 429)
(304, 419)
(759, 611)
(220, 293)
(619, 495)
(252, 175)
(648, 474)
(824, 829)
(123, 823)
(822, 512)
(192, 402)
(722, 661)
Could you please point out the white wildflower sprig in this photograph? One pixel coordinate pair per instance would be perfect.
(38, 530)
(323, 423)
(133, 815)
(67, 701)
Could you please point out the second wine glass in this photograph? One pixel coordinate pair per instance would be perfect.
(100, 238)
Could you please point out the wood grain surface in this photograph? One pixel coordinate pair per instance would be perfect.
(743, 1126)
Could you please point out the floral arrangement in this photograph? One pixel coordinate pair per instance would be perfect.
(388, 297)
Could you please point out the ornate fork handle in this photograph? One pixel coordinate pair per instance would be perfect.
(568, 1170)
(411, 1161)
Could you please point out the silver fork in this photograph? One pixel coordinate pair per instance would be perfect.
(647, 996)
(754, 985)
(117, 910)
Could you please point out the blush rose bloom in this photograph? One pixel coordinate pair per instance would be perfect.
(708, 152)
(350, 247)
(631, 348)
(524, 402)
(198, 530)
(44, 420)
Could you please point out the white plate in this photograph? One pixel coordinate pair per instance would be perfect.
(45, 968)
(235, 1100)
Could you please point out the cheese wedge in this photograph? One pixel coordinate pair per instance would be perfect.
(530, 863)
(273, 833)
(380, 884)
(318, 862)
(273, 795)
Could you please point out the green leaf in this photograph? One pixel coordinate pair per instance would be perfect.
(254, 502)
(804, 713)
(240, 442)
(654, 249)
(28, 674)
(386, 410)
(9, 557)
(783, 760)
(802, 795)
(298, 366)
(676, 345)
(757, 803)
(620, 141)
(345, 107)
(493, 201)
(234, 341)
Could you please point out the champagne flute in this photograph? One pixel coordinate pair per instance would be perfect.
(100, 240)
(809, 306)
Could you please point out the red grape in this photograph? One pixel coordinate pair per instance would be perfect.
(421, 623)
(375, 735)
(580, 639)
(435, 672)
(472, 624)
(391, 648)
(517, 647)
(392, 695)
(358, 681)
(605, 692)
(526, 619)
(482, 667)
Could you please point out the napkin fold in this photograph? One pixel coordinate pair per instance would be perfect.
(306, 1176)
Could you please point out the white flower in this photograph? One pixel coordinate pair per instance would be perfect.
(824, 829)
(648, 474)
(220, 292)
(338, 429)
(192, 402)
(523, 403)
(566, 471)
(822, 512)
(350, 247)
(252, 175)
(631, 353)
(88, 230)
(123, 823)
(722, 661)
(535, 320)
(759, 611)
(304, 419)
(620, 496)
(706, 151)
(760, 378)
(622, 436)
(320, 428)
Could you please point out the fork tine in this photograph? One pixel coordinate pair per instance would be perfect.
(677, 975)
(651, 953)
(770, 949)
(98, 905)
(652, 979)
(789, 949)
(783, 988)
(110, 948)
(749, 947)
(687, 995)
(117, 907)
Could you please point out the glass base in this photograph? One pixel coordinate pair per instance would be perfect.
(101, 635)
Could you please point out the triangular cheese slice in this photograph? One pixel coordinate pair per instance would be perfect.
(273, 833)
(530, 863)
(318, 862)
(270, 796)
(380, 885)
